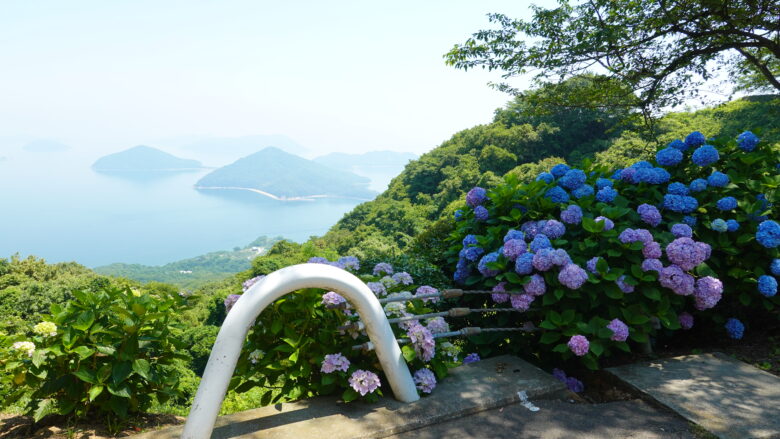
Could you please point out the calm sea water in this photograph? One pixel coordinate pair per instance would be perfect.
(54, 206)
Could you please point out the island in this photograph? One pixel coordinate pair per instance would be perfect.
(276, 174)
(144, 158)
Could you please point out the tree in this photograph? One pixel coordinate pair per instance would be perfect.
(661, 49)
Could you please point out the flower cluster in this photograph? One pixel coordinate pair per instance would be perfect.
(255, 356)
(579, 345)
(573, 384)
(422, 341)
(425, 380)
(46, 329)
(26, 347)
(364, 382)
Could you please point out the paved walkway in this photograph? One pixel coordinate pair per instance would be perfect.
(562, 420)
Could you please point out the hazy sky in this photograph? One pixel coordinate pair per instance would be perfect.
(333, 75)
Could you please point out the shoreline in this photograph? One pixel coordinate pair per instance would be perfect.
(309, 198)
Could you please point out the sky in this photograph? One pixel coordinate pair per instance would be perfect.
(349, 76)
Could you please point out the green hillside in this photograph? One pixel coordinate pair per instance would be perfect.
(286, 175)
(340, 160)
(143, 158)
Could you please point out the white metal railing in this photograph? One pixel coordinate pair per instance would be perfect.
(230, 340)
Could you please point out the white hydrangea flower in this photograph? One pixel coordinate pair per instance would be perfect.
(256, 356)
(46, 329)
(27, 347)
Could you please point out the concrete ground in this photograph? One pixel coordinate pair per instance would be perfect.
(560, 419)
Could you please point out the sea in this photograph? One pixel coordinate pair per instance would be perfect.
(54, 206)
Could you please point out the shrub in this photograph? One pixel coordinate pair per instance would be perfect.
(110, 352)
(621, 251)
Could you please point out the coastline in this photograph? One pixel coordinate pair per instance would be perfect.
(277, 197)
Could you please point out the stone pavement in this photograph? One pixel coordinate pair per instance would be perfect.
(729, 398)
(562, 420)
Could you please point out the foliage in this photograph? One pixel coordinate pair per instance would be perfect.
(620, 284)
(110, 352)
(194, 272)
(660, 49)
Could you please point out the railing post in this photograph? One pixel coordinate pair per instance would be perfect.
(230, 340)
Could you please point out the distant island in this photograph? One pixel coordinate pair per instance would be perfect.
(276, 174)
(340, 160)
(143, 158)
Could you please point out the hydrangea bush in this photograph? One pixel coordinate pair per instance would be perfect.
(298, 348)
(603, 257)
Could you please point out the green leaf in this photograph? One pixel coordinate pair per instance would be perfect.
(652, 293)
(85, 375)
(119, 406)
(550, 337)
(408, 353)
(84, 321)
(590, 362)
(122, 392)
(120, 372)
(294, 356)
(83, 352)
(596, 347)
(276, 326)
(45, 407)
(106, 350)
(327, 378)
(39, 356)
(349, 395)
(266, 399)
(560, 348)
(95, 391)
(546, 324)
(141, 367)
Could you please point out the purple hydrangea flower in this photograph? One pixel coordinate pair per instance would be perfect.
(384, 267)
(539, 242)
(606, 194)
(707, 293)
(499, 293)
(403, 278)
(553, 229)
(718, 179)
(572, 214)
(250, 282)
(543, 259)
(674, 278)
(425, 380)
(471, 358)
(652, 251)
(572, 276)
(608, 224)
(521, 301)
(363, 381)
(735, 328)
(652, 264)
(682, 231)
(644, 236)
(624, 287)
(422, 341)
(332, 299)
(334, 362)
(767, 285)
(619, 330)
(437, 325)
(514, 234)
(668, 156)
(649, 214)
(350, 263)
(560, 257)
(574, 385)
(536, 286)
(426, 289)
(481, 213)
(686, 253)
(318, 260)
(628, 236)
(559, 374)
(483, 264)
(529, 229)
(579, 345)
(768, 234)
(514, 248)
(476, 196)
(686, 320)
(591, 265)
(230, 301)
(378, 288)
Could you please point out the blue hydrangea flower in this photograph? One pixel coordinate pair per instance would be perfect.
(524, 264)
(583, 191)
(617, 175)
(481, 213)
(462, 271)
(545, 177)
(553, 229)
(658, 176)
(694, 139)
(559, 170)
(689, 220)
(732, 225)
(768, 234)
(677, 188)
(514, 234)
(705, 155)
(767, 286)
(649, 214)
(735, 328)
(572, 179)
(718, 179)
(469, 240)
(669, 156)
(642, 164)
(698, 185)
(458, 215)
(775, 267)
(765, 204)
(601, 183)
(719, 225)
(540, 242)
(473, 253)
(606, 194)
(747, 141)
(557, 195)
(727, 203)
(482, 266)
(678, 144)
(572, 214)
(476, 196)
(682, 231)
(680, 203)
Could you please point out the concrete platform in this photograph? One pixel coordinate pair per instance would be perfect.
(729, 398)
(469, 389)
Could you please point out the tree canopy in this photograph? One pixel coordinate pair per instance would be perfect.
(658, 49)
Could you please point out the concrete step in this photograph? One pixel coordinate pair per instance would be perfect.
(727, 397)
(469, 389)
